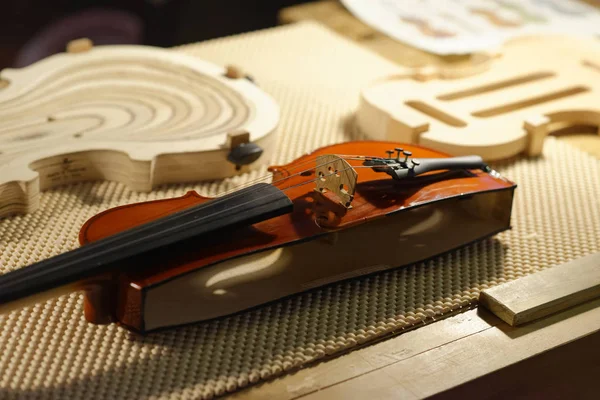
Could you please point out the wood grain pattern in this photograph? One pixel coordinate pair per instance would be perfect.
(140, 115)
(569, 370)
(546, 292)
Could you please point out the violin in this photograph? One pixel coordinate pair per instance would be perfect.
(340, 212)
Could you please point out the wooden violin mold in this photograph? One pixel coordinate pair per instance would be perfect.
(537, 86)
(139, 115)
(389, 223)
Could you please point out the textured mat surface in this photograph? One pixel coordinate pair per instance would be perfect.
(49, 351)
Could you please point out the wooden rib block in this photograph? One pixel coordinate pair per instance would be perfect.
(546, 292)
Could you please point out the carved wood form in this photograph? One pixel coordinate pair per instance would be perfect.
(537, 86)
(139, 115)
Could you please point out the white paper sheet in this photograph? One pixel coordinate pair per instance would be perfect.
(466, 26)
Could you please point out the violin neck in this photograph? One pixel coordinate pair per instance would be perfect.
(66, 272)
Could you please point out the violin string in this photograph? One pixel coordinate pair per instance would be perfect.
(229, 210)
(262, 178)
(256, 180)
(215, 201)
(218, 200)
(385, 166)
(265, 177)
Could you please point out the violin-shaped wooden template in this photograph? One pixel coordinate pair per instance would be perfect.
(140, 115)
(343, 211)
(537, 86)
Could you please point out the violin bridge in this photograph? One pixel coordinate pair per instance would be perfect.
(337, 176)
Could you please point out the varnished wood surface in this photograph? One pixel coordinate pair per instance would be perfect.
(377, 195)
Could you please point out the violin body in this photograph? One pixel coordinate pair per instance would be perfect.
(366, 222)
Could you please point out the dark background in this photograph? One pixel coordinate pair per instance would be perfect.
(32, 29)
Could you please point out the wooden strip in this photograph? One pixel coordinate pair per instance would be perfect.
(353, 365)
(539, 377)
(436, 358)
(485, 353)
(545, 292)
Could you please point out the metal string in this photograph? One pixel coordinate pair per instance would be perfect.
(219, 200)
(272, 194)
(265, 177)
(229, 210)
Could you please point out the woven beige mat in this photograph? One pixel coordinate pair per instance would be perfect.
(49, 351)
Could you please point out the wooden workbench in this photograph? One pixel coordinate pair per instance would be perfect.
(471, 353)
